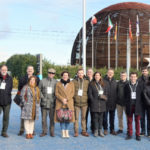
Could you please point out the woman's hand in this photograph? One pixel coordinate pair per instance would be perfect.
(64, 101)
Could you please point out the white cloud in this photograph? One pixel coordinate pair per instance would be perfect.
(4, 56)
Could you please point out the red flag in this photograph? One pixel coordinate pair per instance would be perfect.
(130, 30)
(93, 20)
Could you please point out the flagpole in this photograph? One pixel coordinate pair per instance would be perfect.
(128, 59)
(108, 46)
(92, 46)
(137, 51)
(84, 36)
(116, 64)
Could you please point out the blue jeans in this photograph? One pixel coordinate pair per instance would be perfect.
(64, 125)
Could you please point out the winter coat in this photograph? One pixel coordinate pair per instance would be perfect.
(120, 93)
(27, 104)
(146, 93)
(96, 103)
(128, 99)
(81, 100)
(111, 86)
(47, 100)
(61, 93)
(5, 94)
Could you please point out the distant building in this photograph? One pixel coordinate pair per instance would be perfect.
(120, 13)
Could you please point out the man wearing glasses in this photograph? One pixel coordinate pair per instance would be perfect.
(47, 89)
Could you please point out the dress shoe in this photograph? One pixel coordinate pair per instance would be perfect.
(43, 134)
(105, 132)
(128, 137)
(76, 134)
(20, 133)
(113, 132)
(119, 131)
(5, 135)
(138, 138)
(84, 134)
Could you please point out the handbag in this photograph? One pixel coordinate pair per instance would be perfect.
(17, 98)
(64, 114)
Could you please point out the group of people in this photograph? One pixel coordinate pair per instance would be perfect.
(85, 94)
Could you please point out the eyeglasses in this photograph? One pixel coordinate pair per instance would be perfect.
(51, 73)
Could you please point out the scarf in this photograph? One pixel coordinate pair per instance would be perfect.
(64, 82)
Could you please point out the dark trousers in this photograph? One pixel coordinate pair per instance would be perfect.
(111, 119)
(91, 113)
(6, 110)
(145, 115)
(137, 122)
(47, 112)
(98, 120)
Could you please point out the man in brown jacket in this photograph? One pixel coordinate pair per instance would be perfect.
(80, 101)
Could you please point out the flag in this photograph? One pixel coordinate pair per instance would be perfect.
(116, 28)
(93, 20)
(130, 30)
(137, 26)
(110, 25)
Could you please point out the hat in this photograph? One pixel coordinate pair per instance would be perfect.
(51, 70)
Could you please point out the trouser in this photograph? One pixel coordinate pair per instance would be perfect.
(6, 111)
(91, 113)
(120, 111)
(137, 122)
(22, 125)
(145, 114)
(64, 125)
(45, 112)
(98, 120)
(111, 119)
(83, 110)
(29, 126)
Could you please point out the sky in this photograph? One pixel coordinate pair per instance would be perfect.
(48, 27)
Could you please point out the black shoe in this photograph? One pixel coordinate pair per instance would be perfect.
(20, 133)
(138, 138)
(5, 135)
(142, 134)
(43, 134)
(119, 131)
(128, 137)
(148, 135)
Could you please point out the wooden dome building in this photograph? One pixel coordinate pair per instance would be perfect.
(119, 13)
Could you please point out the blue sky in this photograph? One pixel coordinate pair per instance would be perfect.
(44, 26)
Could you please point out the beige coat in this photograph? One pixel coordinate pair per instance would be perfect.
(64, 93)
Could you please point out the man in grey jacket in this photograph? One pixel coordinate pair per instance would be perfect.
(47, 89)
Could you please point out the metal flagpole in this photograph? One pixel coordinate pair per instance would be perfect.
(84, 36)
(128, 55)
(92, 46)
(116, 65)
(137, 39)
(108, 46)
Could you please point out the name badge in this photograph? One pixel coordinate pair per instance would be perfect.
(3, 86)
(80, 92)
(133, 95)
(49, 90)
(101, 92)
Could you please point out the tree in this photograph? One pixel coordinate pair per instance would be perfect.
(17, 64)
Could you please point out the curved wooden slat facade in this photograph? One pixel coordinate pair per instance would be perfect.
(120, 13)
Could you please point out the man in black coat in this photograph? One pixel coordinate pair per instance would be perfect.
(133, 93)
(143, 80)
(121, 100)
(6, 85)
(22, 82)
(111, 86)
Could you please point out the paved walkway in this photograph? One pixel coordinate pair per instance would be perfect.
(109, 142)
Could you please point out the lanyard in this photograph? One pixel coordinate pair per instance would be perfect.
(79, 84)
(135, 87)
(99, 87)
